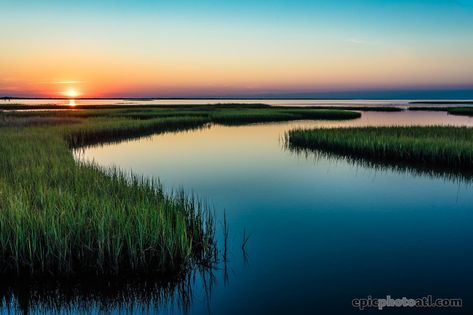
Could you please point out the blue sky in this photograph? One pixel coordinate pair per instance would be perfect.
(221, 48)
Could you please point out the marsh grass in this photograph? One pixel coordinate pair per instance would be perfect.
(429, 108)
(442, 102)
(21, 107)
(347, 107)
(29, 121)
(238, 117)
(218, 113)
(106, 130)
(448, 149)
(411, 168)
(63, 217)
(459, 111)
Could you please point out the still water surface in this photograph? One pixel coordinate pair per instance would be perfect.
(274, 102)
(323, 230)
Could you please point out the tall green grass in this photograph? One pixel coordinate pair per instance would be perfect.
(434, 146)
(235, 117)
(63, 217)
(228, 114)
(112, 129)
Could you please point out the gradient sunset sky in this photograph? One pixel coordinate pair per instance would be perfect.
(233, 48)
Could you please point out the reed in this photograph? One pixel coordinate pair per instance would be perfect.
(63, 217)
(236, 117)
(433, 146)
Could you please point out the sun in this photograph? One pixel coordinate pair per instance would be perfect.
(71, 93)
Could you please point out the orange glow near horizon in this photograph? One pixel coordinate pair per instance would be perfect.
(72, 93)
(63, 52)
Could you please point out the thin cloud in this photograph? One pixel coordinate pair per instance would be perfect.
(361, 41)
(357, 41)
(60, 82)
(67, 82)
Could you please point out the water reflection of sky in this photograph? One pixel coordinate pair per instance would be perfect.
(323, 231)
(274, 102)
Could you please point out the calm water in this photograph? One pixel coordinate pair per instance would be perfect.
(323, 231)
(288, 102)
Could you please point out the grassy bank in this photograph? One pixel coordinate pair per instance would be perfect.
(356, 108)
(442, 102)
(460, 111)
(235, 117)
(63, 217)
(221, 113)
(449, 147)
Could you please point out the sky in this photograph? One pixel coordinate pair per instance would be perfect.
(234, 48)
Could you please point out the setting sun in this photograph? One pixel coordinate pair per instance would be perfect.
(71, 93)
(236, 157)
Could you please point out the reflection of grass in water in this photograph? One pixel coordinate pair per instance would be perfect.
(445, 151)
(67, 219)
(411, 168)
(61, 217)
(87, 294)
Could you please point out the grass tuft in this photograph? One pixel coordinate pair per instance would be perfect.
(448, 147)
(61, 217)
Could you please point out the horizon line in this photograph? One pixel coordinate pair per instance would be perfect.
(4, 98)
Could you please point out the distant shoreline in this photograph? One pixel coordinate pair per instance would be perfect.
(443, 102)
(410, 101)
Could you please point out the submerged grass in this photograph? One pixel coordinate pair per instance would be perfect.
(435, 146)
(62, 217)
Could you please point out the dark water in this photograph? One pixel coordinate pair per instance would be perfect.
(322, 230)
